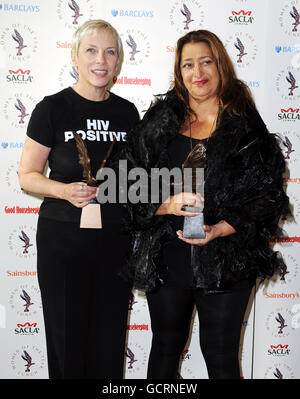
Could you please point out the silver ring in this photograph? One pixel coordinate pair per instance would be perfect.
(81, 187)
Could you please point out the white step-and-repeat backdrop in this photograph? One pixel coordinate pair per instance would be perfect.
(35, 50)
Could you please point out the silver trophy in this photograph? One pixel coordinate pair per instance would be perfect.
(193, 171)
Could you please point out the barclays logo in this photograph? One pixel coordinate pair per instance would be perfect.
(19, 8)
(287, 49)
(132, 13)
(252, 83)
(13, 145)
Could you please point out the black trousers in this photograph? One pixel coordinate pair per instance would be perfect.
(220, 322)
(85, 303)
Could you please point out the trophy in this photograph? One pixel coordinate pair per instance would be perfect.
(195, 162)
(91, 213)
(84, 161)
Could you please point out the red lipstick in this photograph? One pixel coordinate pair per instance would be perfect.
(200, 82)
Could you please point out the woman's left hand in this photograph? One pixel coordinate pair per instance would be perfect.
(221, 229)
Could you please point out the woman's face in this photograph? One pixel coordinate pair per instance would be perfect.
(97, 59)
(199, 71)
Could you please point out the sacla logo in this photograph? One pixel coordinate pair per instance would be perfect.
(241, 17)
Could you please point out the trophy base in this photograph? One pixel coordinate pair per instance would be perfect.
(193, 226)
(91, 217)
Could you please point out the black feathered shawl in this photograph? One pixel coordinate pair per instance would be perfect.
(243, 186)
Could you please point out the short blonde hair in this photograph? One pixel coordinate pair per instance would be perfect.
(92, 25)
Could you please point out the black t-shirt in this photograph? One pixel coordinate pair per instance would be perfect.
(98, 122)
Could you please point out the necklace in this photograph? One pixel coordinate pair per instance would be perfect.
(214, 121)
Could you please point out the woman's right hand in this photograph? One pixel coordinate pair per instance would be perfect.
(79, 193)
(32, 179)
(173, 205)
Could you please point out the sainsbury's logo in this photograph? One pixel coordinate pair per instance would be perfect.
(278, 295)
(64, 44)
(20, 273)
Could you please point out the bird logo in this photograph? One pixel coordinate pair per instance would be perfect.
(27, 299)
(277, 373)
(295, 14)
(239, 45)
(74, 74)
(27, 359)
(292, 81)
(283, 273)
(24, 237)
(132, 44)
(19, 39)
(186, 12)
(281, 322)
(131, 357)
(74, 7)
(20, 107)
(287, 143)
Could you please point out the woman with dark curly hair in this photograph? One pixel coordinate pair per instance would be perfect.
(208, 107)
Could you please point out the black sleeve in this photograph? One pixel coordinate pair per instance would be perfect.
(146, 148)
(40, 127)
(258, 200)
(132, 119)
(135, 116)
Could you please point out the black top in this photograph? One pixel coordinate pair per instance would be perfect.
(243, 185)
(177, 254)
(98, 122)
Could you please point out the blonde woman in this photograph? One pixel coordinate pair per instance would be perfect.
(84, 301)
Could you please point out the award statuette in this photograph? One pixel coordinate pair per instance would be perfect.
(195, 161)
(91, 213)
